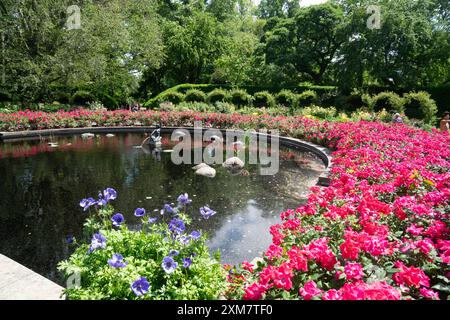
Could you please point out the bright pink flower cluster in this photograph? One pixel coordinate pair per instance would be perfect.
(379, 231)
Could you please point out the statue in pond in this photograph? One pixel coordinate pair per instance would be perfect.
(154, 140)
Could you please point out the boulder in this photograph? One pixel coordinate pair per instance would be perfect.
(110, 135)
(88, 135)
(206, 172)
(200, 166)
(234, 163)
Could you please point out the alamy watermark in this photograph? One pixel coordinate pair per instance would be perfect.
(374, 21)
(241, 147)
(74, 281)
(74, 18)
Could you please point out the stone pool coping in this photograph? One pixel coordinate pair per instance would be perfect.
(20, 283)
(323, 153)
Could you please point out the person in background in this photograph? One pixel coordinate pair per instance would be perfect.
(445, 122)
(397, 118)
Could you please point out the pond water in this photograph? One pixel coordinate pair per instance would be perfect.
(41, 187)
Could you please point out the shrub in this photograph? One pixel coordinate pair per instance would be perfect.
(307, 98)
(319, 112)
(263, 99)
(118, 259)
(224, 107)
(217, 95)
(109, 102)
(82, 98)
(195, 95)
(240, 97)
(166, 106)
(389, 101)
(194, 106)
(173, 97)
(96, 106)
(286, 98)
(419, 105)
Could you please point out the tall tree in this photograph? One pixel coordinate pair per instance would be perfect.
(307, 42)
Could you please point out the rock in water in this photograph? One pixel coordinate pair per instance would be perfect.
(206, 171)
(110, 135)
(88, 135)
(233, 164)
(200, 166)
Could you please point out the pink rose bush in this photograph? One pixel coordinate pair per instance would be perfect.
(380, 231)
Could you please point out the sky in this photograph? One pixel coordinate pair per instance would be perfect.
(303, 3)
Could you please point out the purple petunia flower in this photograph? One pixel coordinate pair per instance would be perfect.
(169, 265)
(187, 262)
(69, 239)
(196, 235)
(139, 212)
(184, 199)
(152, 220)
(117, 219)
(140, 286)
(98, 242)
(117, 261)
(206, 212)
(86, 203)
(177, 226)
(173, 253)
(110, 194)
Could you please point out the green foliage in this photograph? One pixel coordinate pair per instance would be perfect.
(263, 99)
(217, 95)
(307, 98)
(223, 107)
(82, 98)
(240, 97)
(286, 98)
(389, 101)
(173, 97)
(143, 250)
(194, 106)
(419, 105)
(319, 112)
(195, 95)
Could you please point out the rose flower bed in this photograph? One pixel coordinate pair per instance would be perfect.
(379, 231)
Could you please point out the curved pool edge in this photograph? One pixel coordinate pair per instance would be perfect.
(323, 153)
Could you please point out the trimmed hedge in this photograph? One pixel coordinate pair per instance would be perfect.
(217, 95)
(286, 98)
(240, 97)
(307, 98)
(173, 97)
(264, 99)
(419, 105)
(207, 88)
(389, 101)
(194, 95)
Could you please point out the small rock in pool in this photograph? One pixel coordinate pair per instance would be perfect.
(233, 163)
(88, 135)
(206, 172)
(110, 135)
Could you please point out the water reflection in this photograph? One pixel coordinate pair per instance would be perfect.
(245, 234)
(41, 186)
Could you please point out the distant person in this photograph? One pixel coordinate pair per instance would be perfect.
(445, 122)
(397, 118)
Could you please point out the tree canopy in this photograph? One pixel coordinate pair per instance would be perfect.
(137, 48)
